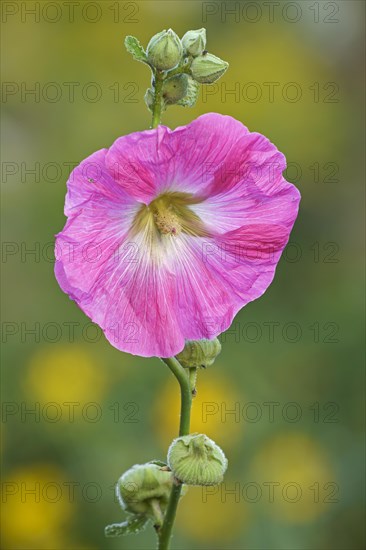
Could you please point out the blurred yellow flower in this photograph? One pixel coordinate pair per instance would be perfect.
(35, 508)
(216, 410)
(212, 514)
(65, 374)
(295, 477)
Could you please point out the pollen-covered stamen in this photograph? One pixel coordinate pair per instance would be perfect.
(166, 220)
(169, 214)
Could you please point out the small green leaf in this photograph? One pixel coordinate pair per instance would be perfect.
(133, 525)
(134, 47)
(189, 100)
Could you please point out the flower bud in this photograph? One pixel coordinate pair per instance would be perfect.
(164, 51)
(175, 88)
(199, 353)
(208, 68)
(194, 42)
(142, 485)
(149, 98)
(196, 460)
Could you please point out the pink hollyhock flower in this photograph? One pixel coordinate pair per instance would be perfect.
(170, 233)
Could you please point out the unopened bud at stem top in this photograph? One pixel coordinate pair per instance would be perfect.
(164, 50)
(194, 42)
(208, 68)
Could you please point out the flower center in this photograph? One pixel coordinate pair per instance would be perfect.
(169, 215)
(165, 217)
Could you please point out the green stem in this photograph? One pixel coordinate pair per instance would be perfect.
(166, 531)
(159, 78)
(192, 380)
(185, 417)
(156, 110)
(186, 396)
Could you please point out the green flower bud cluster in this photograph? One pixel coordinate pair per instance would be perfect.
(144, 490)
(179, 66)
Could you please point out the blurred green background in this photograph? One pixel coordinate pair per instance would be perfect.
(291, 368)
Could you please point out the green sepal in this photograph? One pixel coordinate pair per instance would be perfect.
(190, 99)
(134, 47)
(158, 463)
(149, 99)
(133, 525)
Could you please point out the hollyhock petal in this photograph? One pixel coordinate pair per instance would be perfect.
(154, 161)
(122, 290)
(91, 179)
(255, 161)
(247, 186)
(206, 142)
(202, 298)
(247, 258)
(245, 203)
(217, 276)
(147, 308)
(138, 162)
(89, 239)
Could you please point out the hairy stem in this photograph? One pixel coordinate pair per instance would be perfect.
(156, 109)
(185, 416)
(159, 78)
